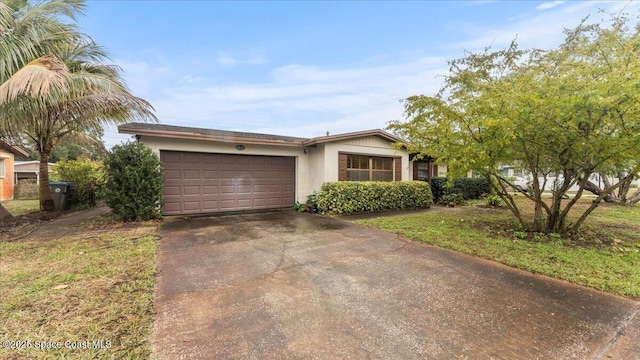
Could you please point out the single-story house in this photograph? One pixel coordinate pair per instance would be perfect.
(7, 156)
(208, 170)
(28, 170)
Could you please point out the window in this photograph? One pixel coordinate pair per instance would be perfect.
(369, 168)
(1, 168)
(423, 170)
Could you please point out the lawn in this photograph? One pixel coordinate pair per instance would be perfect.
(91, 295)
(21, 207)
(606, 256)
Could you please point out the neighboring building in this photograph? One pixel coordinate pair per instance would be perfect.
(523, 178)
(209, 170)
(7, 155)
(28, 170)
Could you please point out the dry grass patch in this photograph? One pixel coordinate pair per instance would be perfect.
(79, 290)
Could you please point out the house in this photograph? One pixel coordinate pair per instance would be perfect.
(208, 170)
(28, 170)
(7, 155)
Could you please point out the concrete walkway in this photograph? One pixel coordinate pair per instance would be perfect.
(289, 285)
(75, 225)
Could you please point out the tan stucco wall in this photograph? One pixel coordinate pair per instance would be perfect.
(316, 167)
(302, 159)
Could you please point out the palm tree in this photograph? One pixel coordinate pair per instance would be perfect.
(65, 91)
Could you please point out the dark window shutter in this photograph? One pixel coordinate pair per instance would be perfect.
(415, 170)
(342, 167)
(398, 167)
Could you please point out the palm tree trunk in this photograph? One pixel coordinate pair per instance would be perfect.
(46, 199)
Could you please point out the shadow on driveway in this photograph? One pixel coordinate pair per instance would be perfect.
(291, 285)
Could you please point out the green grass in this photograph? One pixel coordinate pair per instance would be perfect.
(21, 207)
(79, 289)
(607, 257)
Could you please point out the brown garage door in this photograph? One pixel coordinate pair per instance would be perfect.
(203, 183)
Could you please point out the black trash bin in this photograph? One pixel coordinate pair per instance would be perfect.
(63, 194)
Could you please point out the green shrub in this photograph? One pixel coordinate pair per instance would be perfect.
(452, 200)
(26, 190)
(438, 187)
(134, 182)
(470, 188)
(86, 173)
(350, 197)
(493, 200)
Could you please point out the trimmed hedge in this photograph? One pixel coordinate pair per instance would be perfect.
(470, 188)
(350, 197)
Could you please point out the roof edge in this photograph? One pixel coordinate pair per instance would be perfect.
(16, 150)
(330, 138)
(192, 135)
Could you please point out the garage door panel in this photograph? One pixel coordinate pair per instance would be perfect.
(172, 174)
(210, 159)
(288, 187)
(210, 174)
(191, 190)
(171, 190)
(173, 157)
(201, 182)
(192, 174)
(259, 174)
(172, 207)
(211, 205)
(227, 174)
(191, 205)
(227, 189)
(259, 160)
(210, 190)
(192, 158)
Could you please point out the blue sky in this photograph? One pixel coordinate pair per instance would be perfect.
(303, 68)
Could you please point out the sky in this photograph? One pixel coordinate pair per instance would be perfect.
(305, 68)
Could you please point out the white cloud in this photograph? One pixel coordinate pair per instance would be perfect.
(304, 100)
(141, 76)
(536, 29)
(228, 60)
(549, 5)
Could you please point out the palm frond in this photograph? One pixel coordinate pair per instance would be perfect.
(37, 78)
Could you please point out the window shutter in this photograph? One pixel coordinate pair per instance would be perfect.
(342, 167)
(415, 170)
(397, 162)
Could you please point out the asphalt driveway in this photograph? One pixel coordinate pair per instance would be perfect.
(289, 285)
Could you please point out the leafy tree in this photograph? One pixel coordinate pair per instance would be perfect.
(134, 182)
(561, 114)
(86, 173)
(55, 84)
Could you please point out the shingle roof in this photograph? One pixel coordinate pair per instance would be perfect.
(171, 131)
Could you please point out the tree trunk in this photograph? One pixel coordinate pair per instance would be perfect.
(46, 199)
(621, 196)
(4, 213)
